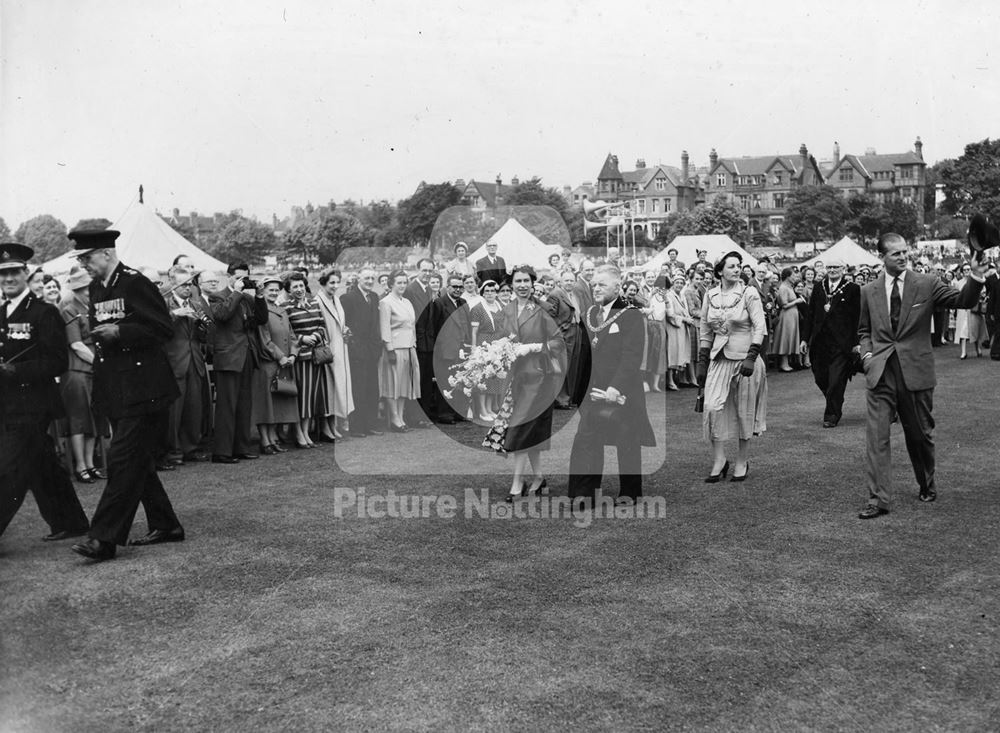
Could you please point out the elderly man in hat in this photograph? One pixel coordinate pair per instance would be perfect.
(830, 329)
(134, 387)
(33, 352)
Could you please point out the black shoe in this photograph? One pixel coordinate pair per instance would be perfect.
(737, 479)
(64, 535)
(830, 422)
(97, 474)
(871, 511)
(158, 536)
(224, 459)
(194, 457)
(278, 448)
(399, 429)
(325, 439)
(446, 421)
(927, 496)
(269, 450)
(96, 550)
(165, 466)
(83, 477)
(717, 477)
(247, 456)
(564, 406)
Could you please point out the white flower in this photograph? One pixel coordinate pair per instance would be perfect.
(502, 374)
(461, 353)
(447, 393)
(468, 392)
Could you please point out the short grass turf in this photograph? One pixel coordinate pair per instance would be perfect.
(765, 605)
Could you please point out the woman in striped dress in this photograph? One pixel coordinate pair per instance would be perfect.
(730, 368)
(306, 320)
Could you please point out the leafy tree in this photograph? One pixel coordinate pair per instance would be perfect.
(45, 234)
(719, 217)
(100, 223)
(533, 193)
(972, 182)
(815, 213)
(245, 240)
(4, 230)
(321, 238)
(418, 213)
(902, 218)
(866, 218)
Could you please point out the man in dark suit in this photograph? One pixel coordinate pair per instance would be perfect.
(236, 311)
(560, 307)
(830, 329)
(134, 387)
(33, 353)
(365, 346)
(449, 330)
(895, 342)
(616, 332)
(491, 267)
(418, 292)
(186, 353)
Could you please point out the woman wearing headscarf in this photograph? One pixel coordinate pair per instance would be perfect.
(335, 387)
(279, 348)
(730, 368)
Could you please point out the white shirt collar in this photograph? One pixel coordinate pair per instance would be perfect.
(16, 301)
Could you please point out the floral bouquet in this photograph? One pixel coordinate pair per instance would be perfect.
(488, 361)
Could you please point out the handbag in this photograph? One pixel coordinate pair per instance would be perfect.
(322, 354)
(283, 383)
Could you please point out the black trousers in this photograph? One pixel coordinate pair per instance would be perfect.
(427, 391)
(831, 369)
(187, 413)
(132, 480)
(364, 390)
(233, 411)
(586, 460)
(28, 462)
(940, 326)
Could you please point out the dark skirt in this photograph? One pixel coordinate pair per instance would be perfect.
(270, 408)
(534, 393)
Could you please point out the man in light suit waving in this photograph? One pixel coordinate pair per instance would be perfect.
(895, 343)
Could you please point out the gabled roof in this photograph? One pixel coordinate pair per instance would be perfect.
(759, 165)
(610, 169)
(868, 165)
(487, 190)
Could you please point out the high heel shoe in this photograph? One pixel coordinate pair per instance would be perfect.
(736, 479)
(964, 356)
(543, 488)
(717, 477)
(83, 476)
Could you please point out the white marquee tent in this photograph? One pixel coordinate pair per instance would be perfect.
(853, 255)
(146, 241)
(518, 246)
(687, 247)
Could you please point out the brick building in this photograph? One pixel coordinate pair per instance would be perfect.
(887, 177)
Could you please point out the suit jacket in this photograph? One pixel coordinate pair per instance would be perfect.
(363, 320)
(132, 376)
(491, 271)
(185, 348)
(449, 325)
(421, 300)
(584, 296)
(614, 362)
(837, 327)
(562, 311)
(31, 395)
(911, 342)
(236, 316)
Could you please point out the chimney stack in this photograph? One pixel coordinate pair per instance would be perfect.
(713, 158)
(496, 196)
(640, 163)
(804, 157)
(684, 167)
(918, 147)
(514, 181)
(836, 152)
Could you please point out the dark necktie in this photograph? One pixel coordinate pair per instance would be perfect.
(4, 305)
(895, 303)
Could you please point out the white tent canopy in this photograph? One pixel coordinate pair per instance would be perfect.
(687, 247)
(853, 255)
(518, 246)
(146, 241)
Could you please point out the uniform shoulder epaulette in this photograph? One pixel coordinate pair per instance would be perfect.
(130, 271)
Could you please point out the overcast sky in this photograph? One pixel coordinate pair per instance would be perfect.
(259, 106)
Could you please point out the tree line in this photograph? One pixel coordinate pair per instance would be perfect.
(970, 183)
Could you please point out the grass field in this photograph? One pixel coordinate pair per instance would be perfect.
(765, 605)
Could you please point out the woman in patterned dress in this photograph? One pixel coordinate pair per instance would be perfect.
(306, 320)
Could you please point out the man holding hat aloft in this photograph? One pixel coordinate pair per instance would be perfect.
(33, 352)
(830, 329)
(134, 387)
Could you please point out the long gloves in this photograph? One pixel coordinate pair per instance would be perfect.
(747, 367)
(701, 370)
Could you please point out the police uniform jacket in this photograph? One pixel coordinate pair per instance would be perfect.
(132, 375)
(35, 330)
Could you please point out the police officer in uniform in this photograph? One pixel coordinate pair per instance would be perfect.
(33, 352)
(134, 387)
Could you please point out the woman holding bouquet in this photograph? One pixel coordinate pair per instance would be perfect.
(487, 315)
(524, 424)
